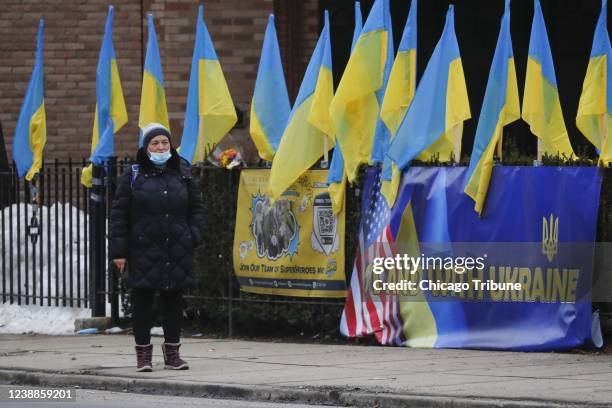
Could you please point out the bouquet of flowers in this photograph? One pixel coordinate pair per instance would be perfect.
(229, 158)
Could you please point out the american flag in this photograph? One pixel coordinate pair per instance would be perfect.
(364, 311)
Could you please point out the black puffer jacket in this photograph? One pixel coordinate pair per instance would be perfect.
(155, 223)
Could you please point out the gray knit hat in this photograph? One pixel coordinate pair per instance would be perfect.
(152, 130)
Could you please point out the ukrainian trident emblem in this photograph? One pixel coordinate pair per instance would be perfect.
(550, 237)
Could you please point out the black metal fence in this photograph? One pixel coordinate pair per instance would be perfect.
(53, 249)
(53, 238)
(54, 246)
(44, 237)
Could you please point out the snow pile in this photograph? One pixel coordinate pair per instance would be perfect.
(70, 254)
(39, 319)
(52, 267)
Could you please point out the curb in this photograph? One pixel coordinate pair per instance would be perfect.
(264, 393)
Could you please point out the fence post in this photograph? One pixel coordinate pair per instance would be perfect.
(230, 272)
(113, 277)
(97, 243)
(230, 305)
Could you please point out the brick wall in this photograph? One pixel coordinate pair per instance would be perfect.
(73, 32)
(298, 28)
(72, 39)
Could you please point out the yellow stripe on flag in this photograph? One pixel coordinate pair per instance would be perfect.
(354, 109)
(38, 137)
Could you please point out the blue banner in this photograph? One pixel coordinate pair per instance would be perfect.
(517, 278)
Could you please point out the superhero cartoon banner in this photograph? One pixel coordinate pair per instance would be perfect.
(430, 272)
(294, 247)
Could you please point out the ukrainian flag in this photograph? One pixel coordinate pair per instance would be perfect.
(111, 114)
(593, 117)
(309, 124)
(356, 106)
(270, 107)
(541, 105)
(440, 105)
(500, 107)
(31, 130)
(153, 97)
(399, 94)
(336, 177)
(210, 110)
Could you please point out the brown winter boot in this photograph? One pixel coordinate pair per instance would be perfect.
(172, 359)
(144, 356)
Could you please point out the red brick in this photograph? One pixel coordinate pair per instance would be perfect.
(72, 41)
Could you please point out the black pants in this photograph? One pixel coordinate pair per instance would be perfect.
(143, 317)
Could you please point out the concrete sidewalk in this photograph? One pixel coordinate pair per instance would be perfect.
(311, 373)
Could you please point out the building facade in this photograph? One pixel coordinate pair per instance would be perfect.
(74, 30)
(73, 33)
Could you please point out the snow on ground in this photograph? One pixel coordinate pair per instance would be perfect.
(39, 319)
(19, 319)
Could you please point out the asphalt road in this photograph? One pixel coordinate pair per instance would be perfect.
(104, 399)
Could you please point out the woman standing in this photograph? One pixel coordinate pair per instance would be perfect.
(155, 223)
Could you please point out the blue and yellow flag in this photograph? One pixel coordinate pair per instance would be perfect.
(541, 104)
(402, 80)
(210, 112)
(31, 130)
(594, 117)
(439, 108)
(270, 106)
(356, 106)
(336, 177)
(399, 94)
(111, 114)
(500, 107)
(309, 124)
(153, 97)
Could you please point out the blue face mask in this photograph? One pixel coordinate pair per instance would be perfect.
(160, 158)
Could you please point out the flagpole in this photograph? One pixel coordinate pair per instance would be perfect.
(325, 151)
(500, 145)
(457, 144)
(604, 138)
(539, 151)
(33, 230)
